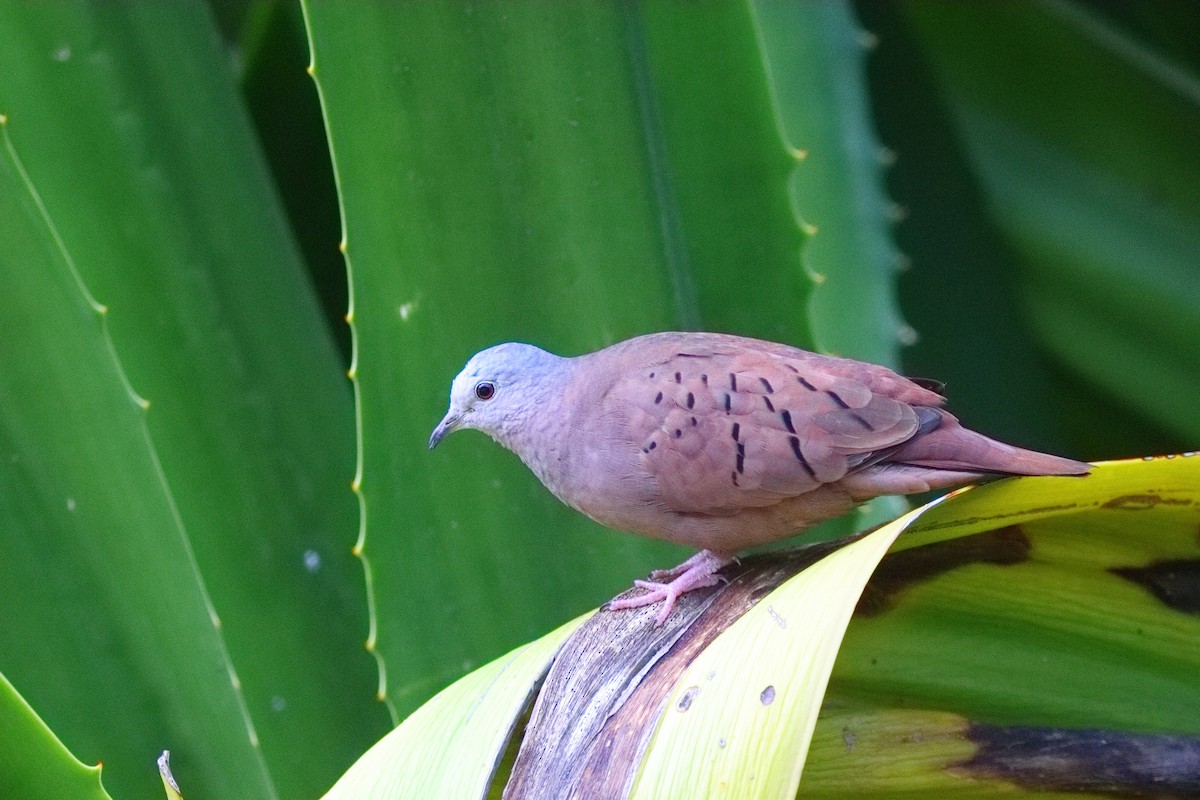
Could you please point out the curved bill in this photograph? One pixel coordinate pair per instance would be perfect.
(448, 424)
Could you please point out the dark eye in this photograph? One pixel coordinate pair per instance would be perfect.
(485, 390)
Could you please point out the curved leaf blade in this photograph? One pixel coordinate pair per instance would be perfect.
(33, 762)
(131, 129)
(565, 198)
(65, 506)
(451, 745)
(741, 717)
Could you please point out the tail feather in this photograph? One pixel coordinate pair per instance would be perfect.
(950, 446)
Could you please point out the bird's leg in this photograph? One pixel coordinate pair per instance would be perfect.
(695, 573)
(674, 572)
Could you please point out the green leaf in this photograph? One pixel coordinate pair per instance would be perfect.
(1061, 599)
(1085, 146)
(33, 762)
(815, 57)
(141, 182)
(603, 170)
(815, 54)
(69, 509)
(452, 745)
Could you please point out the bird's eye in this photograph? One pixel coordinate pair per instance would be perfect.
(485, 390)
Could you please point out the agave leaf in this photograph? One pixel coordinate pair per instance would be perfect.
(815, 56)
(559, 173)
(168, 779)
(1085, 149)
(185, 567)
(451, 746)
(33, 762)
(1074, 609)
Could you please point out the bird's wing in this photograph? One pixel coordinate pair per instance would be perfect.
(726, 427)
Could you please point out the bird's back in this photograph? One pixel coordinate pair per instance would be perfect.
(677, 432)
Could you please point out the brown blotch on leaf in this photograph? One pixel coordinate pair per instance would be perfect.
(900, 571)
(1175, 583)
(1143, 502)
(1090, 760)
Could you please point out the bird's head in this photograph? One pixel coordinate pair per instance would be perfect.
(498, 388)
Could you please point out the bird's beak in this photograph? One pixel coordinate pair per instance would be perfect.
(449, 424)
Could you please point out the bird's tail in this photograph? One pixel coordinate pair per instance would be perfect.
(950, 446)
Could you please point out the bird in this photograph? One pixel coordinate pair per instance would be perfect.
(720, 442)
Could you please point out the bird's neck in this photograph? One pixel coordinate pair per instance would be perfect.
(538, 431)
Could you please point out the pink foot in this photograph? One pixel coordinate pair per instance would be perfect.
(703, 557)
(695, 573)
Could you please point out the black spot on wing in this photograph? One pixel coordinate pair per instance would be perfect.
(787, 420)
(769, 404)
(658, 399)
(837, 398)
(733, 381)
(794, 441)
(766, 385)
(691, 400)
(737, 429)
(805, 384)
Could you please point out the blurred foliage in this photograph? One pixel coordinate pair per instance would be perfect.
(567, 174)
(1046, 160)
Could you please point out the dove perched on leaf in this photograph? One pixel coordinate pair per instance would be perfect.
(720, 442)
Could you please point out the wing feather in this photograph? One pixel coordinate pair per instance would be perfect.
(734, 427)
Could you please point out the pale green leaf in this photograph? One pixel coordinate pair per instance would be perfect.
(451, 746)
(740, 719)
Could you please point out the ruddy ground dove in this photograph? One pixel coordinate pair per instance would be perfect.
(720, 442)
